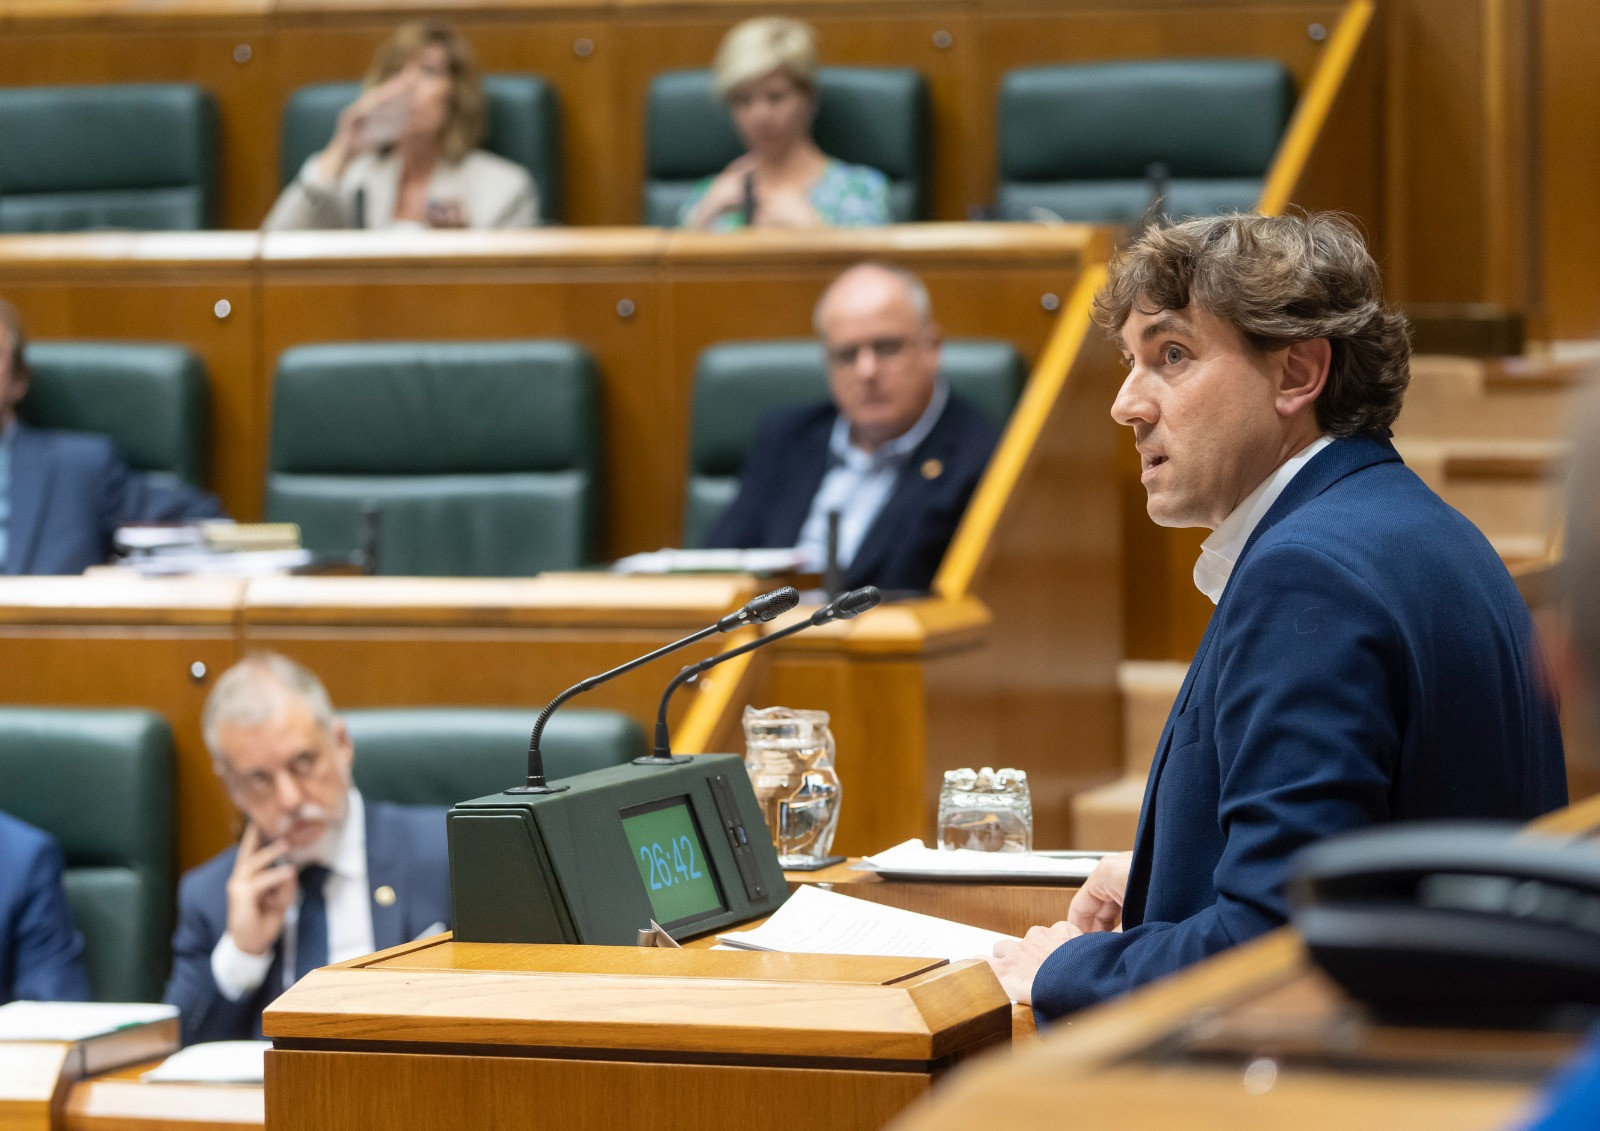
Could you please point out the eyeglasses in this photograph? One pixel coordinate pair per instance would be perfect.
(258, 785)
(883, 349)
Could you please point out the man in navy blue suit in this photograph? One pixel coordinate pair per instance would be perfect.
(41, 952)
(319, 876)
(896, 455)
(1369, 659)
(63, 494)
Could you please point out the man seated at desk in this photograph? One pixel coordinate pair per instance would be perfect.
(1369, 659)
(319, 876)
(895, 454)
(63, 494)
(41, 952)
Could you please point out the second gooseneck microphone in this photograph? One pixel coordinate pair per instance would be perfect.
(846, 607)
(757, 611)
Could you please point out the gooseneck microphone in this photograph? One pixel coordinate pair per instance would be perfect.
(846, 607)
(757, 611)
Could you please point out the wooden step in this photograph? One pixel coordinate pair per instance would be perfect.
(1106, 819)
(1510, 489)
(1511, 398)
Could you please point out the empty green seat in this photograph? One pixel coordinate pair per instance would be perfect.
(1078, 142)
(737, 383)
(480, 457)
(101, 783)
(524, 126)
(439, 756)
(152, 400)
(875, 116)
(134, 155)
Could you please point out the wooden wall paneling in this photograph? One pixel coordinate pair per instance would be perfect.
(612, 307)
(575, 51)
(1569, 166)
(163, 288)
(216, 50)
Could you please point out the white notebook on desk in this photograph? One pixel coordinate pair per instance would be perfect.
(814, 921)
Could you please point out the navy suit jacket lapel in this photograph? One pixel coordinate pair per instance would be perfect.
(30, 491)
(385, 868)
(792, 502)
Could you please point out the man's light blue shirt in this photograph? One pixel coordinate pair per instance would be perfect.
(858, 484)
(8, 436)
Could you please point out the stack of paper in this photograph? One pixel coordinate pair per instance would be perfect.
(814, 921)
(75, 1020)
(215, 1062)
(913, 860)
(712, 561)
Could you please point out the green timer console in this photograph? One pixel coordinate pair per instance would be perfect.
(683, 844)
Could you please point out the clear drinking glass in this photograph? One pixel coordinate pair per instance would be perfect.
(986, 810)
(789, 756)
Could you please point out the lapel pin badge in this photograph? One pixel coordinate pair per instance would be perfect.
(384, 896)
(932, 468)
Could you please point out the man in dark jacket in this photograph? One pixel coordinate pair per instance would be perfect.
(896, 455)
(63, 494)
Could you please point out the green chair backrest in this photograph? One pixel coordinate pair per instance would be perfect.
(1078, 142)
(737, 383)
(152, 400)
(439, 756)
(524, 126)
(136, 155)
(875, 116)
(481, 457)
(101, 783)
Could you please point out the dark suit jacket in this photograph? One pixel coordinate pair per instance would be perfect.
(405, 851)
(1370, 661)
(907, 540)
(41, 952)
(69, 493)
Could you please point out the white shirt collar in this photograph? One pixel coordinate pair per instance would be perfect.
(1219, 552)
(840, 447)
(343, 848)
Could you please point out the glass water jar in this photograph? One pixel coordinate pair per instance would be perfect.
(789, 756)
(986, 810)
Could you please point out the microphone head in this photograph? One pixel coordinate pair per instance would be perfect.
(856, 602)
(774, 604)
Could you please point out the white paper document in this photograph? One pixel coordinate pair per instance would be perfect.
(913, 858)
(74, 1020)
(814, 921)
(215, 1062)
(712, 561)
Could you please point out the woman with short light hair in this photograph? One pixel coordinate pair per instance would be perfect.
(766, 72)
(404, 153)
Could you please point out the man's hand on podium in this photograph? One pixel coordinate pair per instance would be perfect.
(1098, 904)
(1096, 907)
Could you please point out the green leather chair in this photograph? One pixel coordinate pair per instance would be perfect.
(524, 126)
(481, 457)
(875, 116)
(115, 156)
(101, 783)
(737, 383)
(439, 756)
(1077, 142)
(151, 399)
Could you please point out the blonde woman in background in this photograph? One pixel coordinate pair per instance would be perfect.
(403, 154)
(766, 73)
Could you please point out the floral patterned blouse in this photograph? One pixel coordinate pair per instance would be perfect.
(845, 196)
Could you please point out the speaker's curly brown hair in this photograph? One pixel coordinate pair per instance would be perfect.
(1277, 280)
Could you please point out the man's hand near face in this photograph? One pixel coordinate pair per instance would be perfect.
(1096, 907)
(260, 890)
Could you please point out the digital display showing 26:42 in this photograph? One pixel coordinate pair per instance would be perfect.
(671, 858)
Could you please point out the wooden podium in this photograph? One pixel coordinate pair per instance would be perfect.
(438, 1034)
